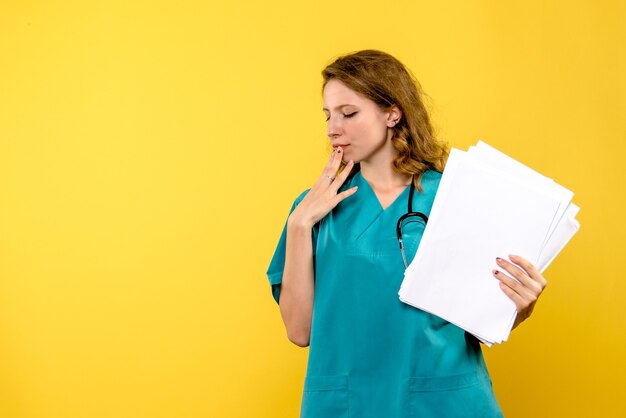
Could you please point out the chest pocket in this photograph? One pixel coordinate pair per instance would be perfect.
(383, 241)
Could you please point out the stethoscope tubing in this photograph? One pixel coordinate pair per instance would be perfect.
(409, 214)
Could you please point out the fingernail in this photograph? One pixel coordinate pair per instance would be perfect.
(338, 149)
(496, 272)
(498, 259)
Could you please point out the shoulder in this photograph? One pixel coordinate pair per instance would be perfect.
(300, 197)
(297, 200)
(432, 175)
(430, 181)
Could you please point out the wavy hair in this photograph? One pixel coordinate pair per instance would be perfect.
(383, 79)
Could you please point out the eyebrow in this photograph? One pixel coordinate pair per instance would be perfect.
(340, 106)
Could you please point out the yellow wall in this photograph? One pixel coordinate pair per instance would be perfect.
(143, 157)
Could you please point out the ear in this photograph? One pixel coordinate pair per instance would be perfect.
(394, 114)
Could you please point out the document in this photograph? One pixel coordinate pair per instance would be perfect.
(488, 205)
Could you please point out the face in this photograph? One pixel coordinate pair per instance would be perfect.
(356, 123)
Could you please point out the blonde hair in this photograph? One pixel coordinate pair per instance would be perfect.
(384, 80)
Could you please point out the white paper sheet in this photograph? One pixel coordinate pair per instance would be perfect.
(487, 205)
(500, 161)
(565, 230)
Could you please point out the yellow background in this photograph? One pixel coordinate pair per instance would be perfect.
(149, 153)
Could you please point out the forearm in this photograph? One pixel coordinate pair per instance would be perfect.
(297, 288)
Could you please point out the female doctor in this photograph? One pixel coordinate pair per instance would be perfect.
(337, 269)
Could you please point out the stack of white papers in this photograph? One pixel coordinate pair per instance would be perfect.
(488, 205)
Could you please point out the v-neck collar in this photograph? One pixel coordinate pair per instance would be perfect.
(367, 186)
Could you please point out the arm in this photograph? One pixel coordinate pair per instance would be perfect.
(297, 287)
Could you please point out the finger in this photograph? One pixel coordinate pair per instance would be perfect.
(513, 284)
(333, 166)
(515, 292)
(327, 174)
(516, 298)
(519, 274)
(341, 178)
(343, 195)
(530, 268)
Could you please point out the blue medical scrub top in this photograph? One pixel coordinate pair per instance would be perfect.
(371, 355)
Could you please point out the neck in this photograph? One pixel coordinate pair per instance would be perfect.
(384, 177)
(379, 172)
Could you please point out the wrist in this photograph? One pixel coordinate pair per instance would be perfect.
(299, 223)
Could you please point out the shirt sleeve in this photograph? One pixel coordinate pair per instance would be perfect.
(277, 265)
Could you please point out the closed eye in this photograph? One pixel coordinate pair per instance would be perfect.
(349, 115)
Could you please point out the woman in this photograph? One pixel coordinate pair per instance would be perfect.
(337, 269)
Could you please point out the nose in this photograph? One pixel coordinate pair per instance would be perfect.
(333, 130)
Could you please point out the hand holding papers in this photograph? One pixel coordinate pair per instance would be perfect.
(488, 205)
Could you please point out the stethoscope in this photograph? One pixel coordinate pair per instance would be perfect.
(407, 215)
